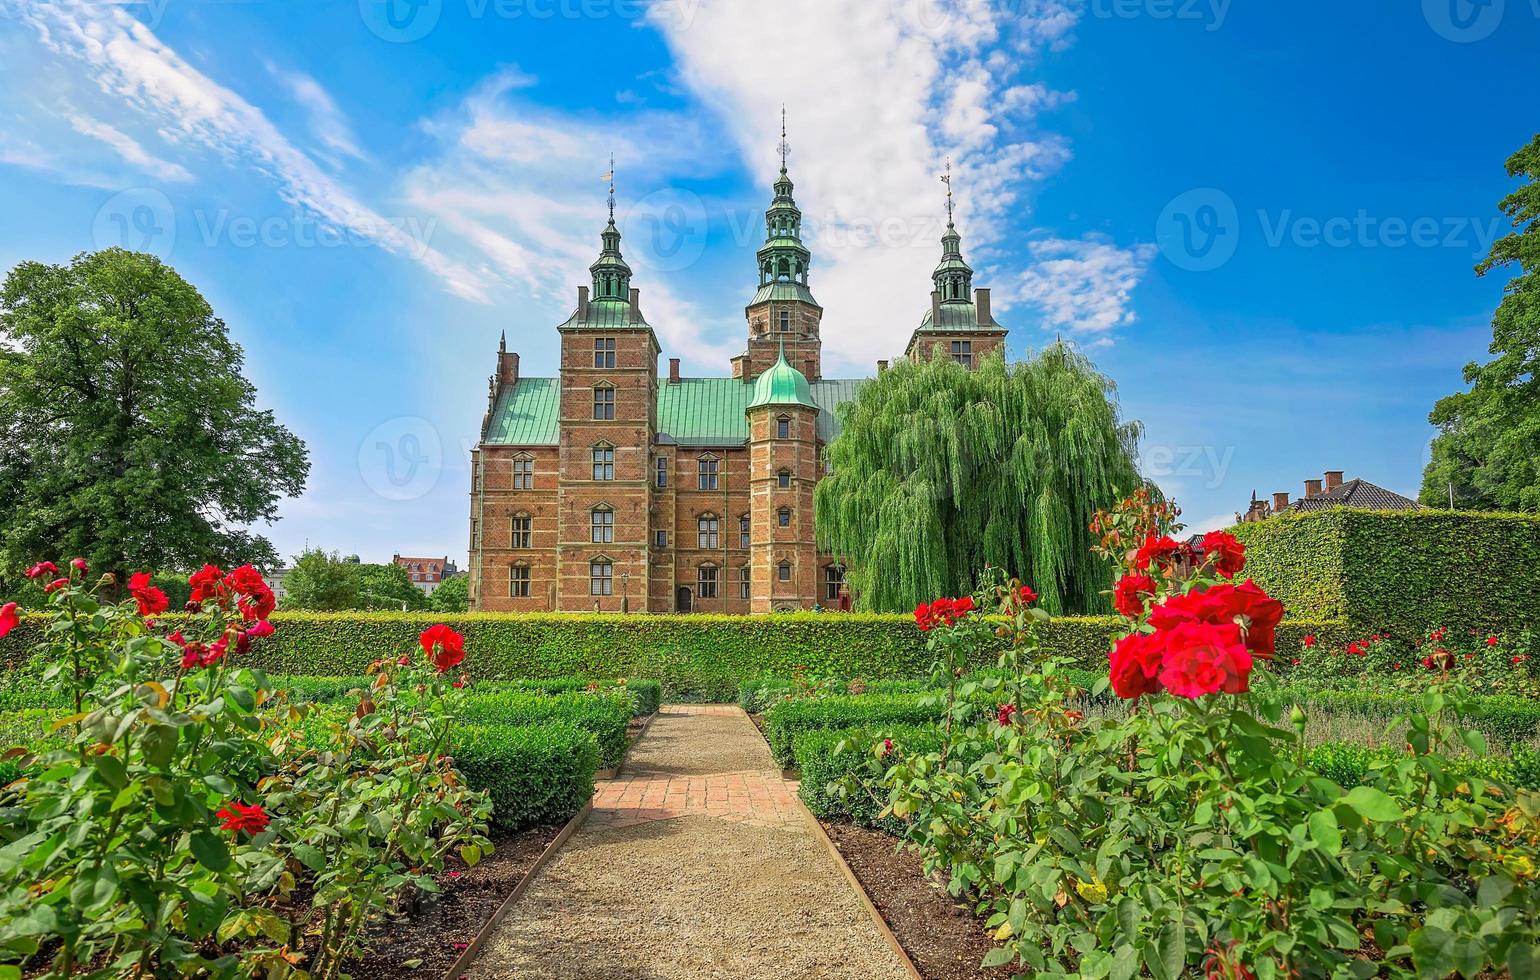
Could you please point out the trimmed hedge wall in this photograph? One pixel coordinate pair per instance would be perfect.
(1402, 571)
(605, 716)
(535, 774)
(696, 657)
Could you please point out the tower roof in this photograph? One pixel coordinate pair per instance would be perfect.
(782, 384)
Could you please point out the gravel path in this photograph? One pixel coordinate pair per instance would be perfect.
(697, 862)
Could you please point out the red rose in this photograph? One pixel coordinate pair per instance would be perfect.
(215, 652)
(887, 747)
(1205, 658)
(246, 580)
(403, 660)
(1161, 551)
(1491, 641)
(42, 568)
(152, 601)
(8, 618)
(1129, 595)
(56, 585)
(444, 646)
(258, 605)
(1134, 665)
(206, 582)
(1294, 662)
(192, 655)
(1006, 710)
(1439, 659)
(79, 565)
(1244, 605)
(1309, 640)
(260, 629)
(1517, 658)
(1026, 595)
(238, 817)
(1228, 554)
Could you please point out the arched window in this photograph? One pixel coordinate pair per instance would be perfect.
(518, 580)
(523, 472)
(743, 530)
(783, 517)
(833, 578)
(601, 577)
(783, 571)
(708, 531)
(783, 479)
(706, 472)
(783, 427)
(604, 401)
(601, 524)
(604, 461)
(523, 530)
(706, 581)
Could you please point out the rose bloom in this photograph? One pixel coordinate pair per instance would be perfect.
(1309, 640)
(42, 568)
(1491, 641)
(1026, 595)
(8, 618)
(260, 629)
(1006, 711)
(238, 816)
(1160, 551)
(444, 646)
(206, 582)
(152, 601)
(1244, 605)
(56, 585)
(1205, 658)
(1134, 665)
(1230, 554)
(1129, 595)
(246, 580)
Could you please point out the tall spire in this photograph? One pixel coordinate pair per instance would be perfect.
(946, 179)
(612, 277)
(783, 258)
(784, 147)
(611, 178)
(953, 277)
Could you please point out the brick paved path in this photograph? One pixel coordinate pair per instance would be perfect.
(696, 862)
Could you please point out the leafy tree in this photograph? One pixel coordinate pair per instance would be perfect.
(131, 437)
(940, 470)
(387, 587)
(321, 582)
(1488, 446)
(451, 596)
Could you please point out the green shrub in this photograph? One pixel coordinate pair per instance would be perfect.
(648, 694)
(1406, 571)
(788, 721)
(1504, 719)
(604, 715)
(1354, 765)
(819, 765)
(535, 774)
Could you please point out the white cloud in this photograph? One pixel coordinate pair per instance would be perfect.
(128, 148)
(127, 62)
(878, 95)
(1082, 285)
(327, 123)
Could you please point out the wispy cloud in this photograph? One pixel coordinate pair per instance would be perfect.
(327, 124)
(1082, 285)
(128, 63)
(128, 148)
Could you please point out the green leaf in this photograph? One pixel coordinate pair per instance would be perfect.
(310, 856)
(1524, 961)
(210, 850)
(1325, 832)
(1493, 889)
(997, 957)
(1168, 956)
(470, 854)
(1373, 804)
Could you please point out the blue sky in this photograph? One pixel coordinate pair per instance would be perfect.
(1259, 220)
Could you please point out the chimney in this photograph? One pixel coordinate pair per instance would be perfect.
(981, 300)
(636, 312)
(882, 366)
(1312, 488)
(673, 370)
(1333, 480)
(1280, 502)
(507, 368)
(582, 312)
(935, 307)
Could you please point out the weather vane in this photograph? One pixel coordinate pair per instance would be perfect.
(784, 146)
(946, 179)
(611, 178)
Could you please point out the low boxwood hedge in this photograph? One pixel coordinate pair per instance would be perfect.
(759, 693)
(535, 774)
(1502, 718)
(605, 715)
(788, 721)
(820, 763)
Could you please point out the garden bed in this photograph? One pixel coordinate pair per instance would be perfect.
(943, 938)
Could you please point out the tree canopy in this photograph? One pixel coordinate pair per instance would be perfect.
(939, 470)
(131, 437)
(1488, 446)
(320, 582)
(451, 596)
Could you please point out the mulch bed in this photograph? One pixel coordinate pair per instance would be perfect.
(943, 938)
(427, 942)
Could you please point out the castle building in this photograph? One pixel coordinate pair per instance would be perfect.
(610, 488)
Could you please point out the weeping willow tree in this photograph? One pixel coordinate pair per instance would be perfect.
(939, 471)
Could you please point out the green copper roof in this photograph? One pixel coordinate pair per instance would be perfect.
(606, 314)
(783, 291)
(781, 385)
(694, 412)
(959, 316)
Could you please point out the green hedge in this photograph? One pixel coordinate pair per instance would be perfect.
(535, 774)
(694, 657)
(1403, 571)
(789, 721)
(819, 765)
(754, 696)
(1502, 718)
(604, 715)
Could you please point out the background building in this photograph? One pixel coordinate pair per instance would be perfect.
(610, 488)
(426, 573)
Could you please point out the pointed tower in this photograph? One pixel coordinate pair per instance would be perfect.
(782, 315)
(606, 426)
(959, 318)
(783, 467)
